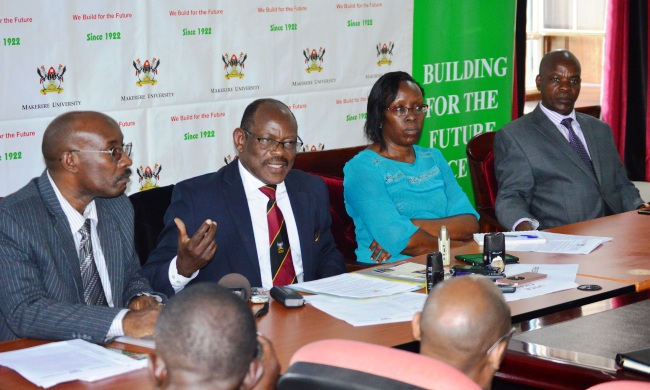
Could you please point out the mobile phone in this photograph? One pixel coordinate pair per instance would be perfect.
(644, 211)
(258, 295)
(477, 259)
(287, 297)
(522, 278)
(473, 269)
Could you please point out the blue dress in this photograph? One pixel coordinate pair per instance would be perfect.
(383, 195)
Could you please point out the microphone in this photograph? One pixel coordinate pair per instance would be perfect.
(237, 284)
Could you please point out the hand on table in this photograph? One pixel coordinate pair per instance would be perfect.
(378, 253)
(143, 302)
(140, 323)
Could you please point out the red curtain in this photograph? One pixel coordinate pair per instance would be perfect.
(626, 96)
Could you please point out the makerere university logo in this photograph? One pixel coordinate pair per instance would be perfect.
(385, 53)
(149, 177)
(314, 59)
(146, 73)
(51, 80)
(234, 66)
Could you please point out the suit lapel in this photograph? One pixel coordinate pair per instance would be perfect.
(301, 212)
(548, 130)
(62, 231)
(108, 230)
(240, 214)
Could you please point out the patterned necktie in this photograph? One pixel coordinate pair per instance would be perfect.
(577, 145)
(280, 250)
(93, 291)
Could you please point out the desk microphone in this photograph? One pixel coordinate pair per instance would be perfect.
(237, 284)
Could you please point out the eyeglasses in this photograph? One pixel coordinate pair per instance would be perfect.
(496, 343)
(403, 111)
(115, 152)
(271, 144)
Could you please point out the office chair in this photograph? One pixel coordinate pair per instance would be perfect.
(480, 158)
(149, 209)
(346, 364)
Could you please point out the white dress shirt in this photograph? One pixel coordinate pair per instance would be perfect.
(257, 206)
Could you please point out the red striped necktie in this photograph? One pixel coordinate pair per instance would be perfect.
(280, 250)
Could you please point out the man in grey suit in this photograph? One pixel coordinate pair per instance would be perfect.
(556, 166)
(69, 268)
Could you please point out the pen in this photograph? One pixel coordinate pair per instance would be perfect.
(521, 235)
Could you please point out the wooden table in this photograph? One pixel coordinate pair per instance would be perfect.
(289, 329)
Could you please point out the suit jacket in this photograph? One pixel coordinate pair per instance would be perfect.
(220, 196)
(540, 176)
(41, 292)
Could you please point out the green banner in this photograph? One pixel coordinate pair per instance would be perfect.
(463, 56)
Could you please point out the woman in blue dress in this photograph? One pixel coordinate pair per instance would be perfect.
(400, 194)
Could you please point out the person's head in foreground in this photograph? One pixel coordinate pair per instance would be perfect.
(206, 339)
(465, 323)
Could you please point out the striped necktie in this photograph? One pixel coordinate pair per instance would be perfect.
(280, 250)
(93, 290)
(577, 145)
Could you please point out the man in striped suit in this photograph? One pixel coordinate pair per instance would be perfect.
(69, 267)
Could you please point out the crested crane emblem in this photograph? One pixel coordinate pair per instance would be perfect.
(51, 79)
(385, 53)
(146, 73)
(314, 59)
(234, 66)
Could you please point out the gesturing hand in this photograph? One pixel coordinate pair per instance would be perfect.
(196, 252)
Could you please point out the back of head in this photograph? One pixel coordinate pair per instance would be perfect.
(209, 332)
(461, 319)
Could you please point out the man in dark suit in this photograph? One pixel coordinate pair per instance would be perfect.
(232, 204)
(69, 267)
(556, 166)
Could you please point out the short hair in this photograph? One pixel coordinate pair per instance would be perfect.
(382, 94)
(248, 119)
(208, 330)
(59, 132)
(551, 58)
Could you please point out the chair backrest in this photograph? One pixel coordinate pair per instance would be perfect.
(621, 385)
(407, 367)
(149, 208)
(480, 158)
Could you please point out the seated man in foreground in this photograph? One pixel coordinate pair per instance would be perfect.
(206, 338)
(556, 166)
(466, 324)
(66, 241)
(272, 223)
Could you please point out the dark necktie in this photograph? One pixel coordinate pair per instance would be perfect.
(280, 250)
(577, 145)
(93, 291)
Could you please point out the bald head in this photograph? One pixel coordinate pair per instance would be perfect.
(461, 319)
(552, 58)
(208, 334)
(63, 133)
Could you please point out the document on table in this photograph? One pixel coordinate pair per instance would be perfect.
(559, 277)
(354, 286)
(560, 243)
(516, 238)
(50, 364)
(371, 311)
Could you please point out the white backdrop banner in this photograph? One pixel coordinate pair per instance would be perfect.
(177, 75)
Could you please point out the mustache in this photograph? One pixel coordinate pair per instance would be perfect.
(126, 173)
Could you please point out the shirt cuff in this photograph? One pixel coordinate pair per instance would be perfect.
(116, 328)
(533, 223)
(177, 280)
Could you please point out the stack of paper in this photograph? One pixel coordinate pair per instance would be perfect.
(516, 238)
(546, 242)
(50, 364)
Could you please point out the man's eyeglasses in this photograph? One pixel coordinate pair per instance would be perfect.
(271, 144)
(403, 111)
(504, 337)
(115, 152)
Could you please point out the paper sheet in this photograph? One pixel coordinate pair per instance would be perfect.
(559, 277)
(371, 311)
(354, 286)
(50, 364)
(561, 243)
